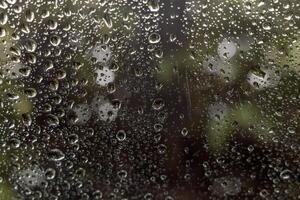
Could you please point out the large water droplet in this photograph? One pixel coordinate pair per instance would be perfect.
(3, 18)
(55, 40)
(56, 155)
(154, 38)
(153, 5)
(2, 32)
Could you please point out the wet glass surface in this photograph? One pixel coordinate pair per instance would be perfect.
(149, 99)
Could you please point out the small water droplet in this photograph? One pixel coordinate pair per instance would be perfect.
(121, 135)
(184, 131)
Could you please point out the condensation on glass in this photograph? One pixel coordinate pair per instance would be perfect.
(149, 99)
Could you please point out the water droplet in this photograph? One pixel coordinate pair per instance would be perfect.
(15, 143)
(285, 174)
(162, 149)
(29, 15)
(173, 37)
(267, 26)
(184, 131)
(264, 193)
(107, 20)
(30, 92)
(154, 38)
(30, 45)
(2, 32)
(55, 40)
(153, 5)
(158, 104)
(27, 120)
(50, 173)
(52, 25)
(3, 18)
(121, 135)
(56, 155)
(122, 174)
(11, 1)
(52, 120)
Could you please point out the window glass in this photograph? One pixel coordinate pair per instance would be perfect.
(149, 99)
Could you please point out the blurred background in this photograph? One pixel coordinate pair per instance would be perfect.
(149, 99)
